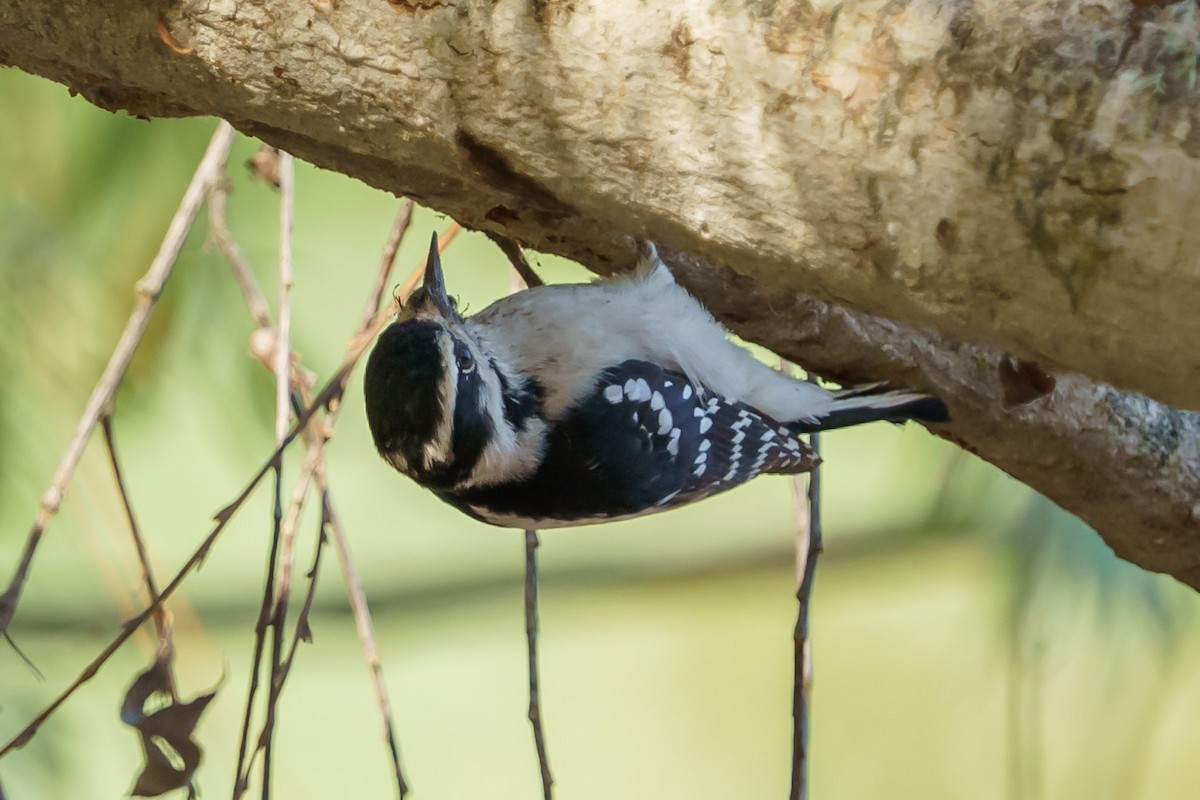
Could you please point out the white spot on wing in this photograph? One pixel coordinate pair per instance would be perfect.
(643, 390)
(705, 424)
(673, 446)
(699, 470)
(687, 391)
(705, 445)
(668, 498)
(613, 394)
(631, 389)
(664, 422)
(656, 401)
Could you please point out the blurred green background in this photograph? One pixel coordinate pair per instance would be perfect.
(971, 639)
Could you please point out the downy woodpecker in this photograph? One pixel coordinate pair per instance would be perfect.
(583, 403)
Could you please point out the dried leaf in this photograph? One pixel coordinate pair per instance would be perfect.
(156, 680)
(166, 769)
(166, 732)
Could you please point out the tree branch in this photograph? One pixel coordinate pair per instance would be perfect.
(1127, 465)
(1015, 178)
(920, 162)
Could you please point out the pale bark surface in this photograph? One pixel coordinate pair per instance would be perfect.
(1019, 176)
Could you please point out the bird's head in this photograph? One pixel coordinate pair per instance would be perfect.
(430, 388)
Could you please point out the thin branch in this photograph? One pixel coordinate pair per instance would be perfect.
(531, 638)
(162, 622)
(366, 635)
(517, 281)
(283, 349)
(328, 399)
(24, 658)
(516, 257)
(386, 261)
(283, 532)
(329, 395)
(149, 289)
(218, 233)
(138, 542)
(242, 777)
(314, 467)
(809, 546)
(303, 628)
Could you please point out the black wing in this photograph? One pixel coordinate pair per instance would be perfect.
(645, 439)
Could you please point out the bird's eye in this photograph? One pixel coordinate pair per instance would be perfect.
(465, 361)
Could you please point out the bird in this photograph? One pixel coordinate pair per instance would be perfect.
(575, 404)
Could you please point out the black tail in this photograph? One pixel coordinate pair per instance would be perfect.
(856, 406)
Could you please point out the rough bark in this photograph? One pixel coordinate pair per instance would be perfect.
(1016, 175)
(1127, 465)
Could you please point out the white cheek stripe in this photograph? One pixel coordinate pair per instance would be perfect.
(509, 454)
(439, 449)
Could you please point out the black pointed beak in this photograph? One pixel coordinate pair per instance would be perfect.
(435, 283)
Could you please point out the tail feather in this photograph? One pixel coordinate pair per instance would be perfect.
(862, 390)
(872, 403)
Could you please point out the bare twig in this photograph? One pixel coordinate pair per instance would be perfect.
(531, 637)
(148, 290)
(399, 228)
(218, 233)
(808, 547)
(372, 318)
(303, 628)
(283, 349)
(329, 395)
(284, 532)
(518, 281)
(516, 257)
(328, 399)
(280, 665)
(162, 622)
(366, 635)
(138, 542)
(242, 777)
(313, 467)
(26, 659)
